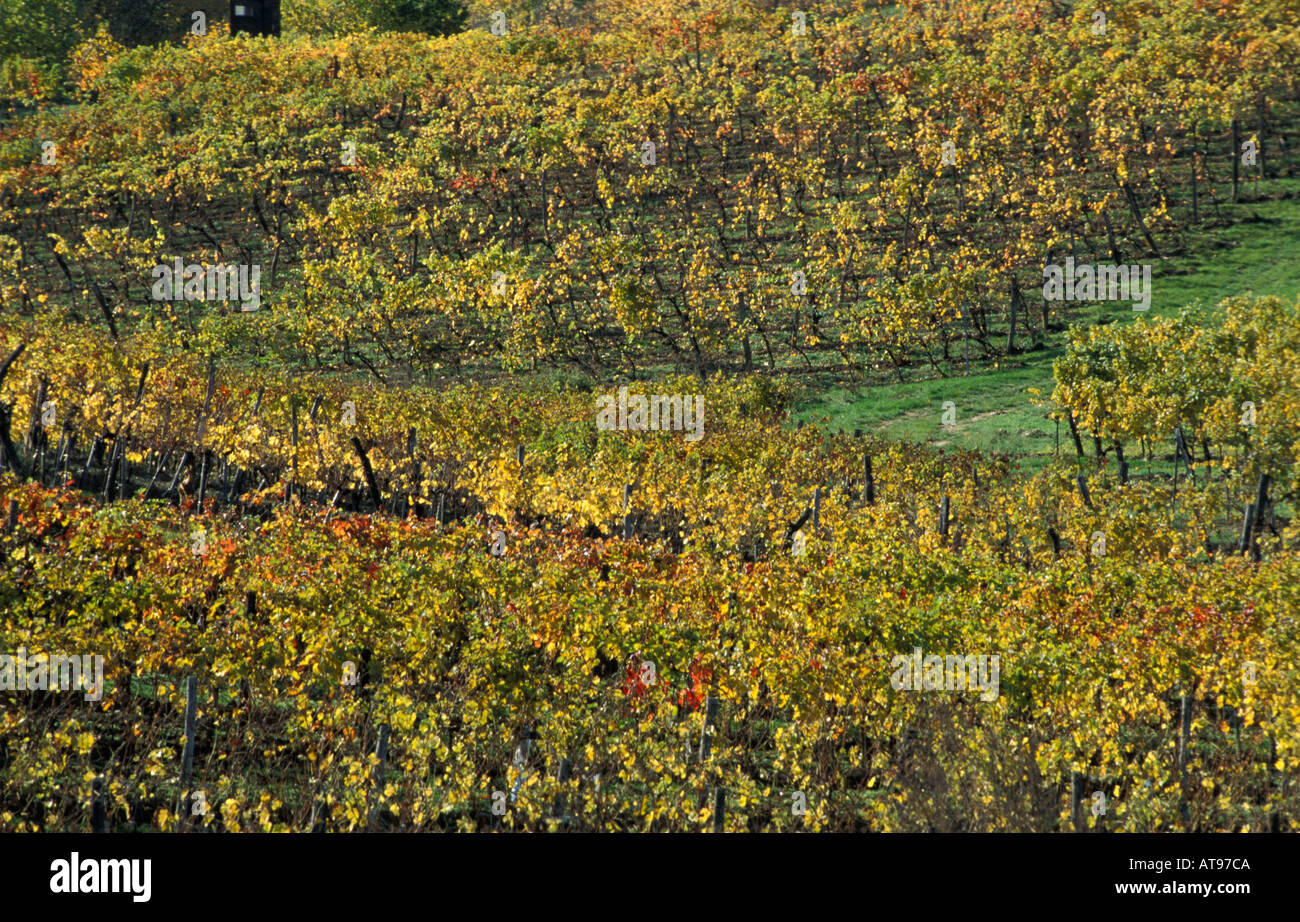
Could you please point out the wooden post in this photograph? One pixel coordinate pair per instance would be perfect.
(114, 462)
(1056, 542)
(96, 448)
(203, 476)
(148, 488)
(870, 481)
(366, 677)
(706, 733)
(186, 458)
(1273, 825)
(377, 779)
(1181, 452)
(12, 357)
(118, 466)
(35, 429)
(98, 817)
(293, 461)
(139, 387)
(943, 515)
(415, 472)
(59, 457)
(719, 808)
(1015, 301)
(1259, 138)
(191, 703)
(1083, 490)
(965, 333)
(1261, 501)
(235, 483)
(519, 455)
(1074, 433)
(11, 520)
(369, 472)
(8, 452)
(816, 506)
(562, 775)
(1184, 734)
(207, 401)
(794, 526)
(1076, 798)
(1196, 210)
(1236, 157)
(1247, 529)
(381, 752)
(520, 762)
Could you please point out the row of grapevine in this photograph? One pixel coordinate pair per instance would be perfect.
(484, 673)
(153, 425)
(698, 184)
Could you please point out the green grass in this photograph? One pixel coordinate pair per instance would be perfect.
(996, 412)
(1260, 252)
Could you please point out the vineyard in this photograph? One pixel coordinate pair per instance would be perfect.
(357, 556)
(696, 186)
(610, 630)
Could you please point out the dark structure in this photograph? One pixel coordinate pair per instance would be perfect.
(255, 17)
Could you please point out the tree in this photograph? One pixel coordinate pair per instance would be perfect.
(435, 17)
(37, 29)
